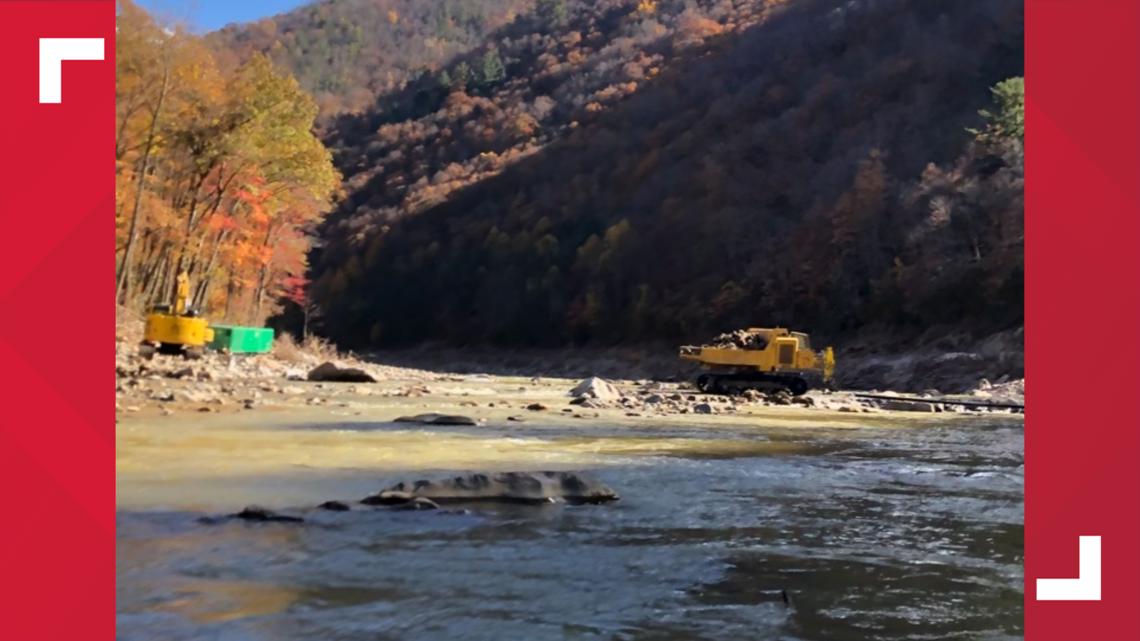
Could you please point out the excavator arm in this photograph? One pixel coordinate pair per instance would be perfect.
(181, 294)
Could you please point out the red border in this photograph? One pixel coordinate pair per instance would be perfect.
(57, 429)
(1082, 441)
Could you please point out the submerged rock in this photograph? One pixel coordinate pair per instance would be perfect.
(261, 514)
(437, 419)
(418, 503)
(511, 487)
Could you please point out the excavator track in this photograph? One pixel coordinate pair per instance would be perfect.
(738, 382)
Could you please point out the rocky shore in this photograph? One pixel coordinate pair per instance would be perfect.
(221, 383)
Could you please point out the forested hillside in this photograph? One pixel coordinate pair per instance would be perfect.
(533, 82)
(348, 52)
(624, 170)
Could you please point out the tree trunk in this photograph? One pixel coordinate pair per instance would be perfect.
(263, 276)
(229, 297)
(132, 234)
(206, 277)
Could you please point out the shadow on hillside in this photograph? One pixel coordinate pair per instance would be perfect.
(759, 129)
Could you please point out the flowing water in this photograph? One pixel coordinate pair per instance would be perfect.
(871, 533)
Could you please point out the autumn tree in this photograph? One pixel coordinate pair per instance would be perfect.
(219, 172)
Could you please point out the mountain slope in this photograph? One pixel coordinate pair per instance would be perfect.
(769, 165)
(348, 52)
(531, 83)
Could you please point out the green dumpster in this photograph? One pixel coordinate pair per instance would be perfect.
(241, 340)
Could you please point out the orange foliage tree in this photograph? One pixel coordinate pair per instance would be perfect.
(218, 173)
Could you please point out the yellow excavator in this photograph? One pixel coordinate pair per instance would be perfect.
(765, 359)
(176, 329)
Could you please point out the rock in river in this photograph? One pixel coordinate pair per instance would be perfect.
(510, 487)
(263, 515)
(418, 503)
(437, 419)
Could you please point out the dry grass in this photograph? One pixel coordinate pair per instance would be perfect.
(311, 350)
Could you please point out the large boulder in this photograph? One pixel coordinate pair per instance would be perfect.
(510, 487)
(330, 372)
(596, 388)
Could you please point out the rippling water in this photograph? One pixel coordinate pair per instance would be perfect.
(911, 533)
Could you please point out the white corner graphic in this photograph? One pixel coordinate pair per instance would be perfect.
(1086, 587)
(53, 51)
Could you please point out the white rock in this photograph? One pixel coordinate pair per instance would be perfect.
(598, 388)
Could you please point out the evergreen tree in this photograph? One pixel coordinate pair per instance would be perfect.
(1008, 122)
(552, 13)
(492, 70)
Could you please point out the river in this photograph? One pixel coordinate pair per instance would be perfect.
(872, 533)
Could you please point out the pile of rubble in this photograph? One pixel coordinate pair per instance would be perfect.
(657, 399)
(1000, 391)
(739, 339)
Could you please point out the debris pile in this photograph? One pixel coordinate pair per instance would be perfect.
(657, 399)
(740, 339)
(1001, 391)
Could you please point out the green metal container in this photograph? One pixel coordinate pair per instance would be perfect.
(241, 340)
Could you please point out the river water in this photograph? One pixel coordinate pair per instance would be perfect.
(873, 533)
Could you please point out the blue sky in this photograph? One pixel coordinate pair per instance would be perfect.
(207, 15)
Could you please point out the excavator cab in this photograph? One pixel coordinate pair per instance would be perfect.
(176, 329)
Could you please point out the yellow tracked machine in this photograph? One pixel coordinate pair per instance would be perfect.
(765, 359)
(176, 329)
